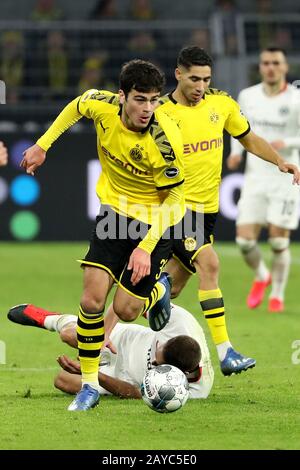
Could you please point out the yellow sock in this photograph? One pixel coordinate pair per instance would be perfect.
(90, 336)
(212, 304)
(156, 294)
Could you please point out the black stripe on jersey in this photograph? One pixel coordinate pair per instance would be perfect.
(162, 142)
(216, 91)
(244, 133)
(78, 105)
(169, 186)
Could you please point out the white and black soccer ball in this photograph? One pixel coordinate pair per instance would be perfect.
(165, 388)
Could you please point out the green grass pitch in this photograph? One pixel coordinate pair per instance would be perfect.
(255, 410)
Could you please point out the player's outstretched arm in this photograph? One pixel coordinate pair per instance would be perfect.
(262, 149)
(35, 156)
(113, 385)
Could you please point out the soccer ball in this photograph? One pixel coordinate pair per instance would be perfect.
(165, 388)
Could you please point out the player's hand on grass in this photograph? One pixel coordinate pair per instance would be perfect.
(286, 167)
(233, 161)
(108, 344)
(33, 157)
(140, 263)
(3, 154)
(73, 367)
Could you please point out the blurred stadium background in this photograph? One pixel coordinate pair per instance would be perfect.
(52, 50)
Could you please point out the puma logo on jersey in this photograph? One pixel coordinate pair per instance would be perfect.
(104, 128)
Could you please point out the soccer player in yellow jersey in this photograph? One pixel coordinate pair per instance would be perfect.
(141, 196)
(202, 114)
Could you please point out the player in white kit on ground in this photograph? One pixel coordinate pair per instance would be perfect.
(268, 197)
(137, 349)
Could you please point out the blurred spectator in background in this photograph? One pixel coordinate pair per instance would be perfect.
(46, 10)
(3, 154)
(227, 11)
(200, 37)
(93, 75)
(57, 64)
(265, 30)
(104, 9)
(12, 64)
(142, 44)
(283, 38)
(141, 10)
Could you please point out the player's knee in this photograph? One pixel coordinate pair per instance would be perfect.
(245, 245)
(91, 304)
(208, 268)
(126, 312)
(68, 335)
(61, 383)
(279, 244)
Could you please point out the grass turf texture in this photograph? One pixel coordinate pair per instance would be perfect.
(255, 410)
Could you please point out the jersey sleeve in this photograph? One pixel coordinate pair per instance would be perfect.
(236, 124)
(92, 102)
(167, 157)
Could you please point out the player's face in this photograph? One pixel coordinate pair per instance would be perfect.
(273, 67)
(193, 82)
(138, 108)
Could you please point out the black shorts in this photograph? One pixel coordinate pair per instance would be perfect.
(197, 230)
(113, 239)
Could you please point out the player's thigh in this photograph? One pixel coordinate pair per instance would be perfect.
(248, 231)
(127, 306)
(96, 283)
(278, 232)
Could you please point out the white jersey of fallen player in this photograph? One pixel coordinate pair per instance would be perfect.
(273, 118)
(136, 346)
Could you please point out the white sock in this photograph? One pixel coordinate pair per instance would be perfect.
(280, 272)
(57, 322)
(262, 273)
(94, 385)
(65, 320)
(51, 322)
(222, 349)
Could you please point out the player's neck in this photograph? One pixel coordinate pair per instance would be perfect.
(275, 88)
(181, 99)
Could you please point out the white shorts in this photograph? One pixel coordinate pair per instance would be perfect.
(269, 201)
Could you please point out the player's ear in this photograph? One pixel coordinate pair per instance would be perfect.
(177, 73)
(122, 96)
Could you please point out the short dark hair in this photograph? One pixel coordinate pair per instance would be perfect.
(193, 55)
(142, 76)
(274, 49)
(183, 352)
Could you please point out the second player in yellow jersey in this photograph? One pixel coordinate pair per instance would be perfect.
(202, 114)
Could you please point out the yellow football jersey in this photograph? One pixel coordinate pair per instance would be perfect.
(135, 165)
(202, 129)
